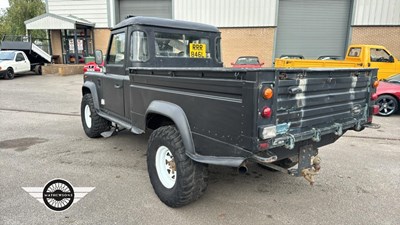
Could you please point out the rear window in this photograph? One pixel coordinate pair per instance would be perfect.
(181, 45)
(354, 52)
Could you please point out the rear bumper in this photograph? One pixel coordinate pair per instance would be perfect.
(288, 140)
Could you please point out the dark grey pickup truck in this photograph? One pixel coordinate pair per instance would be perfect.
(166, 76)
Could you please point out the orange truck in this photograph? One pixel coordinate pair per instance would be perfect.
(366, 56)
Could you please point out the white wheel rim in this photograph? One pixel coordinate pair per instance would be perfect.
(88, 118)
(166, 167)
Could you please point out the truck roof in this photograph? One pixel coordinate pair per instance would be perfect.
(160, 22)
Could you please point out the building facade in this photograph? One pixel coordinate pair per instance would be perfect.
(263, 28)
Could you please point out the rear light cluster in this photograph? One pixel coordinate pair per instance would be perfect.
(267, 111)
(266, 132)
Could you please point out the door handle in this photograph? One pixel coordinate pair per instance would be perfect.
(117, 86)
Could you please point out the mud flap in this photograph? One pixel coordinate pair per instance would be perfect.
(306, 153)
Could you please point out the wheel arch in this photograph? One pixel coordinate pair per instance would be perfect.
(90, 88)
(161, 113)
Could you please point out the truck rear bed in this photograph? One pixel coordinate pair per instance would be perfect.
(223, 106)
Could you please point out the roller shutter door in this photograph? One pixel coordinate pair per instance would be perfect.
(313, 27)
(154, 8)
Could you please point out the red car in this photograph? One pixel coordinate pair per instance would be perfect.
(247, 62)
(388, 92)
(92, 66)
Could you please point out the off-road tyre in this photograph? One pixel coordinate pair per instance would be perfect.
(10, 74)
(97, 124)
(191, 177)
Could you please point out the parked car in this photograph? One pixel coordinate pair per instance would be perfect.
(291, 57)
(388, 93)
(92, 66)
(247, 62)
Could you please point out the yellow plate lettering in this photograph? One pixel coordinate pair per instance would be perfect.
(197, 50)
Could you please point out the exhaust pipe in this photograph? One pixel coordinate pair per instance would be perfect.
(242, 169)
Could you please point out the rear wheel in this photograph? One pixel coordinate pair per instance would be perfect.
(9, 74)
(38, 69)
(92, 123)
(177, 180)
(387, 105)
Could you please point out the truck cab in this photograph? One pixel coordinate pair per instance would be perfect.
(151, 42)
(374, 56)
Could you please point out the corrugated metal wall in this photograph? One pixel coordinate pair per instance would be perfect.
(227, 13)
(154, 8)
(94, 11)
(312, 28)
(376, 12)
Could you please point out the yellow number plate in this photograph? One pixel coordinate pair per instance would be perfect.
(197, 50)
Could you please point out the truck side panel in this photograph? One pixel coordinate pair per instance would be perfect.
(219, 109)
(304, 63)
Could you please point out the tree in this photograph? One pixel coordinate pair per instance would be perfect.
(12, 19)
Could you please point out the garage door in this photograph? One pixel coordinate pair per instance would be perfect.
(313, 27)
(155, 8)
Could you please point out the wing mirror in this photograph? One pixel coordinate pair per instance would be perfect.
(232, 63)
(391, 58)
(262, 64)
(98, 57)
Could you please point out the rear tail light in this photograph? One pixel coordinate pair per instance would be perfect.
(376, 110)
(268, 93)
(266, 112)
(374, 97)
(263, 146)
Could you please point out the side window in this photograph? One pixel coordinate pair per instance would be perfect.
(354, 52)
(379, 55)
(139, 49)
(218, 55)
(20, 57)
(117, 49)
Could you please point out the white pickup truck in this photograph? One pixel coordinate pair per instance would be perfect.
(12, 62)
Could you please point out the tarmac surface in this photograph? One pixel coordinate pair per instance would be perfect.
(41, 139)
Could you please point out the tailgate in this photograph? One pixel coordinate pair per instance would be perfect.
(317, 102)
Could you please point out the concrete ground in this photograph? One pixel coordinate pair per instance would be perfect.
(41, 138)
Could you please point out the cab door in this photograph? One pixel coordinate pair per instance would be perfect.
(113, 82)
(381, 59)
(21, 63)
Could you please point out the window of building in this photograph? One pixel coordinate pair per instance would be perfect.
(139, 49)
(181, 45)
(117, 49)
